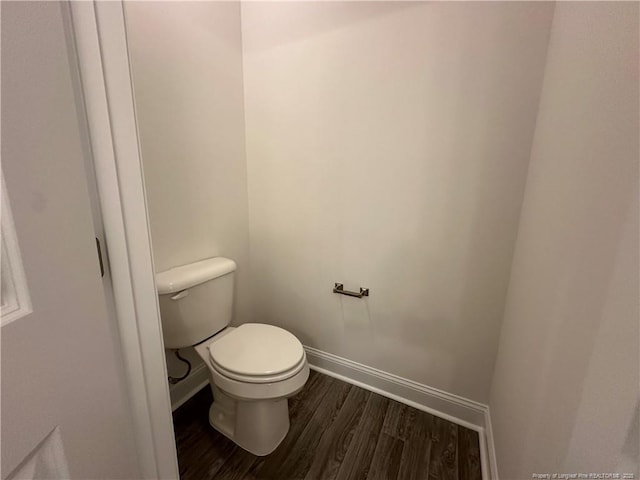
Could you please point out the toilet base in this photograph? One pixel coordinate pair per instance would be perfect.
(255, 416)
(257, 426)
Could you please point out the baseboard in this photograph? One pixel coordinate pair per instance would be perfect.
(491, 454)
(456, 409)
(187, 388)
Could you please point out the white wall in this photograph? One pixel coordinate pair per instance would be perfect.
(61, 364)
(566, 379)
(387, 147)
(186, 60)
(187, 71)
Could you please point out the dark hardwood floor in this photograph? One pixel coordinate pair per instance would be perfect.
(338, 431)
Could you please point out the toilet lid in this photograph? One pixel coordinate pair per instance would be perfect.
(256, 349)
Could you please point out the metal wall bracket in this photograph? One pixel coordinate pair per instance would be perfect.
(339, 288)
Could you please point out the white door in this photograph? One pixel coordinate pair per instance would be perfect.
(61, 368)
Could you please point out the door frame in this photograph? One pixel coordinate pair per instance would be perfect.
(106, 87)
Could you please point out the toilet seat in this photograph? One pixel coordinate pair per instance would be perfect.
(259, 379)
(257, 353)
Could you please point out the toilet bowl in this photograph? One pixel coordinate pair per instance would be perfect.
(253, 368)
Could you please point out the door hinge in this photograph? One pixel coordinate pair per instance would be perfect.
(100, 257)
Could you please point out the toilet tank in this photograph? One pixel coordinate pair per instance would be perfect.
(196, 300)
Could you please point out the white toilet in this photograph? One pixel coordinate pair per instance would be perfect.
(254, 368)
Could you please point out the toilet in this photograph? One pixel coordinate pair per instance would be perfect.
(254, 368)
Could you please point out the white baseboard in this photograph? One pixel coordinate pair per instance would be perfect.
(187, 388)
(456, 409)
(491, 454)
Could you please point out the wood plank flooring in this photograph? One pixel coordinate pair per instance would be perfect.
(338, 432)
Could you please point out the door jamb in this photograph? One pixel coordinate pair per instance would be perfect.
(101, 44)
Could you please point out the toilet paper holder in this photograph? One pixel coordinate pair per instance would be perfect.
(339, 288)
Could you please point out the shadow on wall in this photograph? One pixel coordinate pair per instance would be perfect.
(565, 384)
(570, 350)
(630, 455)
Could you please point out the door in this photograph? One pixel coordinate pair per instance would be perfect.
(62, 377)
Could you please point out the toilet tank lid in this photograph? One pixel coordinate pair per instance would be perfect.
(187, 276)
